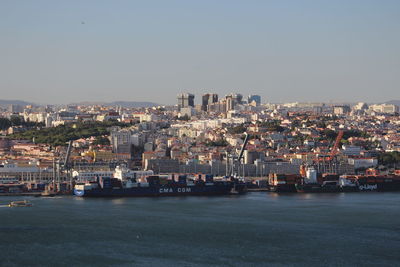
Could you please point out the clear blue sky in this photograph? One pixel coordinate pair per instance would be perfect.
(81, 50)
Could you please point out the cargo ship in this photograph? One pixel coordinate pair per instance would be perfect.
(309, 182)
(135, 184)
(371, 181)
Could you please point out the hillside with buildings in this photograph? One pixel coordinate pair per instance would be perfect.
(206, 138)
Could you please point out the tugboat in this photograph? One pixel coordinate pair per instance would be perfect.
(23, 203)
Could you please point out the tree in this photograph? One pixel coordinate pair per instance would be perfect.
(354, 133)
(389, 158)
(17, 120)
(237, 129)
(183, 118)
(321, 124)
(330, 134)
(221, 142)
(296, 123)
(4, 123)
(273, 126)
(101, 140)
(61, 134)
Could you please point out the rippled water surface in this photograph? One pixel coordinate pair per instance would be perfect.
(256, 229)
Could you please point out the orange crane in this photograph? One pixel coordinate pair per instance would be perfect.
(331, 156)
(333, 151)
(336, 146)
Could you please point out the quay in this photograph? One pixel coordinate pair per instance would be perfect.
(27, 194)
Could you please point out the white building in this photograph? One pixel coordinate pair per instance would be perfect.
(360, 106)
(351, 150)
(363, 162)
(385, 108)
(121, 140)
(187, 111)
(340, 110)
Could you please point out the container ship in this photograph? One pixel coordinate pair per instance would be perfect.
(127, 183)
(371, 181)
(309, 182)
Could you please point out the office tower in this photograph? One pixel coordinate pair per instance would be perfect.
(185, 100)
(255, 98)
(208, 99)
(232, 100)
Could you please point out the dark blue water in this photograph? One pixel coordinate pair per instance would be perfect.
(256, 229)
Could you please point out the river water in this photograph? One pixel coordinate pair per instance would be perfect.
(256, 229)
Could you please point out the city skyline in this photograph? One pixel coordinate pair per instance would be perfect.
(302, 51)
(205, 133)
(197, 102)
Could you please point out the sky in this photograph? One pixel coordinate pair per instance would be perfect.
(286, 51)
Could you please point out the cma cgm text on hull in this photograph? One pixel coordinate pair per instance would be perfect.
(159, 186)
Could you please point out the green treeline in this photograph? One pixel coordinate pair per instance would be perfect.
(61, 134)
(331, 135)
(389, 158)
(17, 121)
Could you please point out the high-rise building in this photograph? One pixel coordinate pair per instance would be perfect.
(255, 98)
(15, 108)
(185, 100)
(232, 100)
(340, 110)
(121, 140)
(218, 107)
(230, 103)
(208, 99)
(238, 98)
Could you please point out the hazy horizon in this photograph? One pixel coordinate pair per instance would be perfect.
(286, 51)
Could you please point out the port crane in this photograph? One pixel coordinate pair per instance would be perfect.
(325, 163)
(65, 165)
(57, 169)
(322, 162)
(68, 155)
(237, 161)
(336, 145)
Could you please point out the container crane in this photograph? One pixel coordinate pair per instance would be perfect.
(236, 162)
(246, 140)
(54, 188)
(332, 166)
(336, 145)
(67, 156)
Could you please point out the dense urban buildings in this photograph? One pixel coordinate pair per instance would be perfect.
(201, 139)
(286, 138)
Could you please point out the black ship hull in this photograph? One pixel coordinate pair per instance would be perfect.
(284, 188)
(223, 188)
